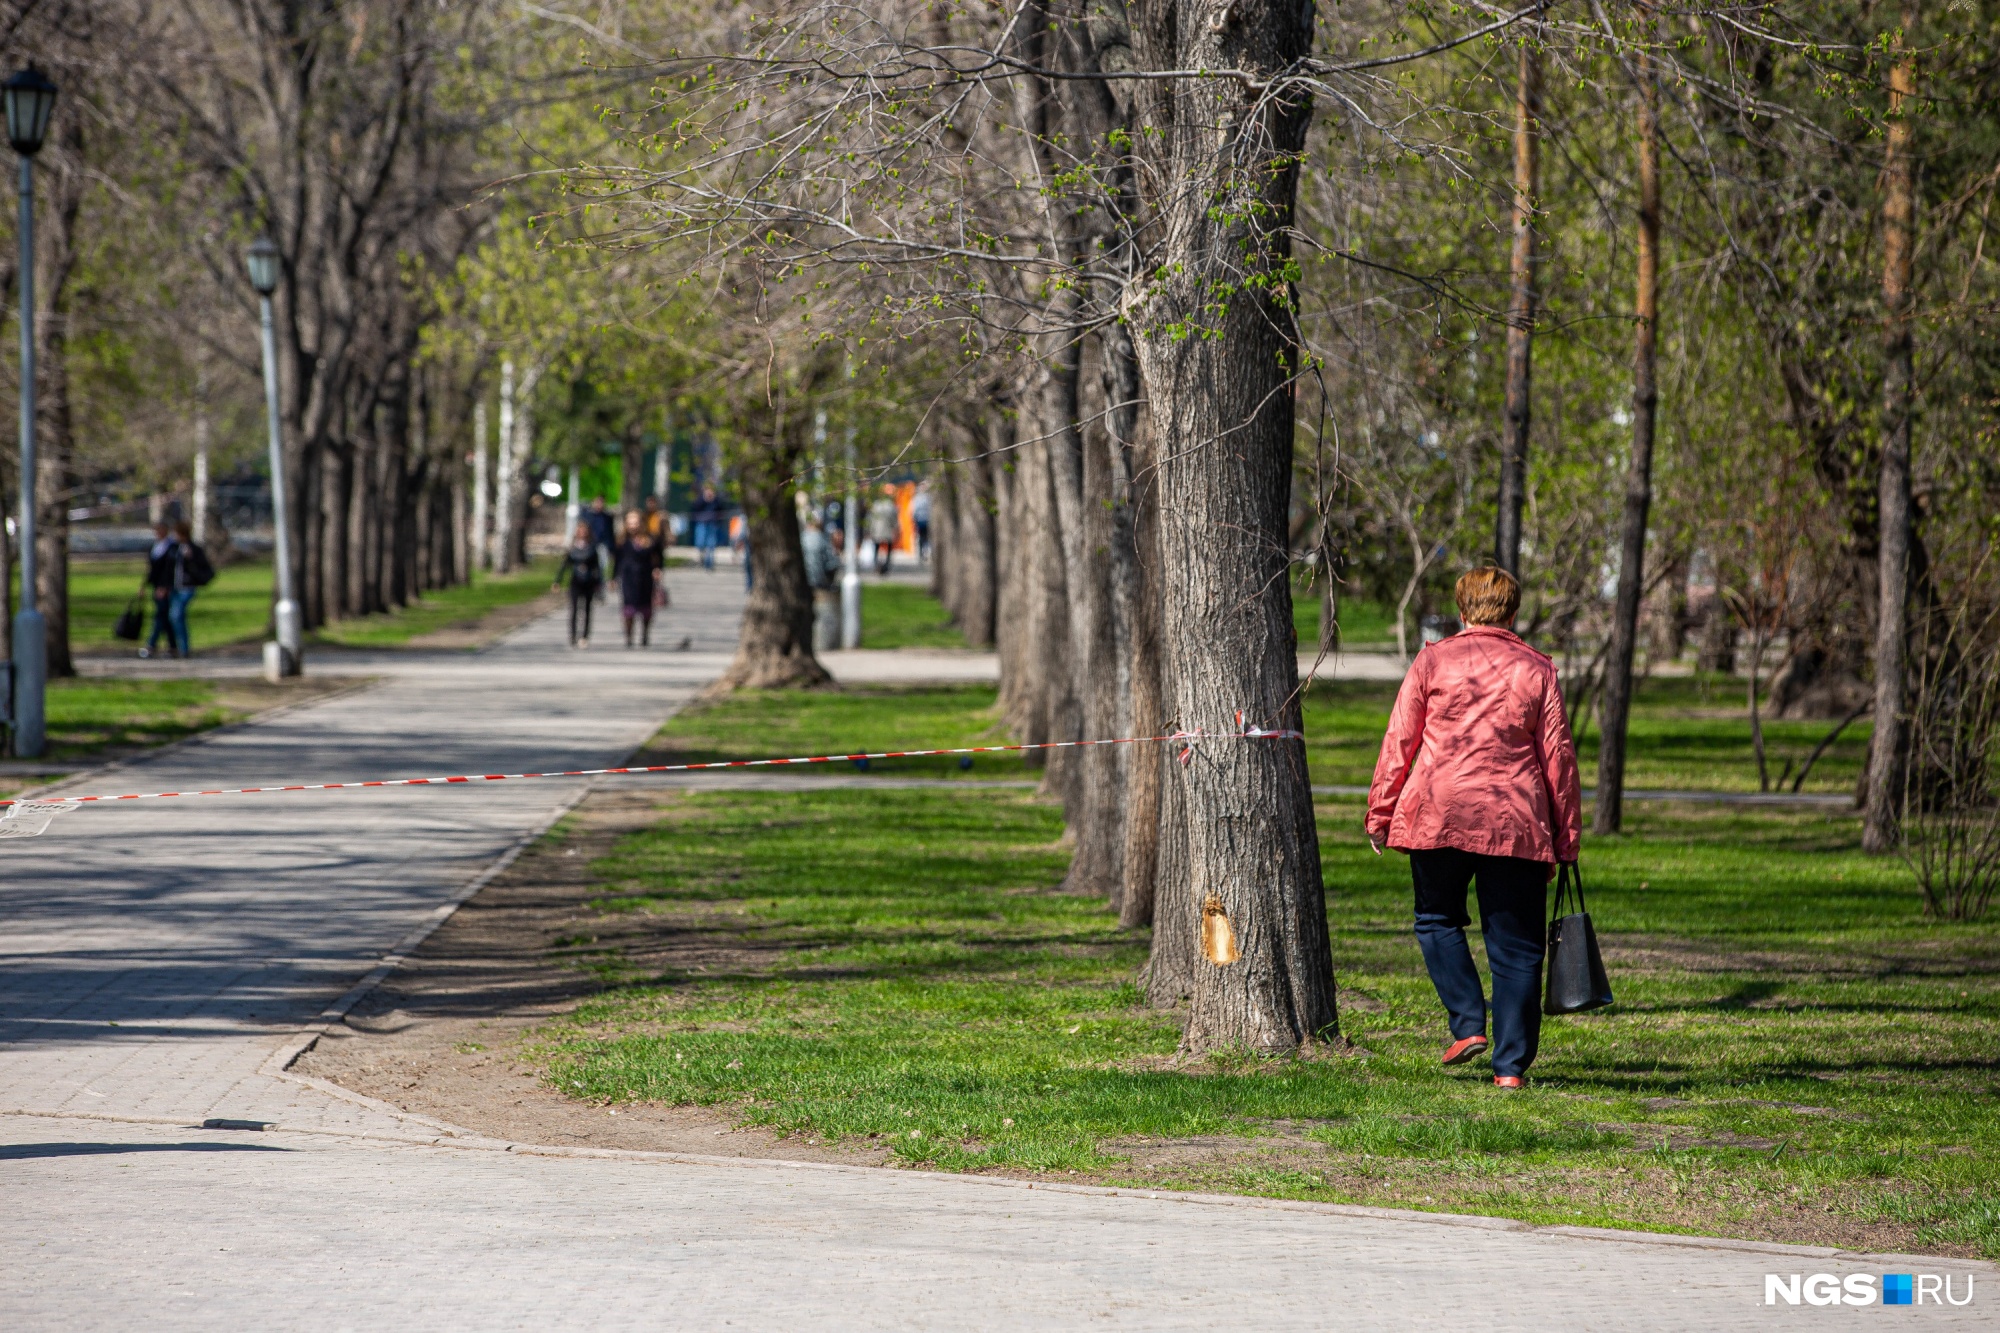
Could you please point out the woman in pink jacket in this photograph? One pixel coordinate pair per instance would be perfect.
(1477, 781)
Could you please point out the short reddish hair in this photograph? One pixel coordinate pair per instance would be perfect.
(1487, 596)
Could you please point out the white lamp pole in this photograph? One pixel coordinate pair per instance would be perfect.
(850, 578)
(29, 98)
(285, 657)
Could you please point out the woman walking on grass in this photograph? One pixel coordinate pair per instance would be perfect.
(639, 566)
(1477, 782)
(586, 579)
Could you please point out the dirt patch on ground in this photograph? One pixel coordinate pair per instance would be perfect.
(443, 1037)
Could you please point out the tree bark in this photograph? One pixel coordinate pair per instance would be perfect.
(503, 478)
(1887, 761)
(1147, 770)
(1220, 384)
(1615, 711)
(973, 556)
(1176, 953)
(479, 540)
(1102, 671)
(774, 648)
(1521, 306)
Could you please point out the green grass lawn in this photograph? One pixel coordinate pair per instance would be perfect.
(773, 724)
(236, 607)
(899, 615)
(87, 716)
(1796, 1054)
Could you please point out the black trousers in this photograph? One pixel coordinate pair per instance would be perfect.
(1513, 917)
(580, 602)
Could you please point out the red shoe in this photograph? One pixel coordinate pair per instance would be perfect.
(1509, 1081)
(1465, 1048)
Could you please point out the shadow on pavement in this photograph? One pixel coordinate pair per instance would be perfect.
(13, 1152)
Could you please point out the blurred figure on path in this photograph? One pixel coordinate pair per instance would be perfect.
(175, 568)
(656, 523)
(885, 528)
(707, 517)
(586, 580)
(158, 584)
(640, 570)
(739, 544)
(823, 573)
(1477, 781)
(603, 530)
(920, 516)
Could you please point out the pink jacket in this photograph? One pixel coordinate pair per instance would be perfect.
(1478, 754)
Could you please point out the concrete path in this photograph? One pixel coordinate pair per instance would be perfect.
(161, 963)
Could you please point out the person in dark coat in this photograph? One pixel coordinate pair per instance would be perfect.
(603, 528)
(639, 565)
(158, 584)
(709, 515)
(175, 570)
(585, 576)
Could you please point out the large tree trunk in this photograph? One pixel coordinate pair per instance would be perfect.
(1096, 807)
(1172, 965)
(774, 647)
(1136, 905)
(1017, 597)
(1520, 311)
(1617, 705)
(1887, 758)
(972, 551)
(1225, 398)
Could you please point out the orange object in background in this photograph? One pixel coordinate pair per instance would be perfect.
(906, 523)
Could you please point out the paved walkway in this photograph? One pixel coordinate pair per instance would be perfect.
(160, 963)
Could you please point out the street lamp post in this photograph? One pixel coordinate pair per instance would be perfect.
(284, 657)
(29, 98)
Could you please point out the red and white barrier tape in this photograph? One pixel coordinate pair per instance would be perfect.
(1249, 733)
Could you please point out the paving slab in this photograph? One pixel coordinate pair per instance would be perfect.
(147, 1225)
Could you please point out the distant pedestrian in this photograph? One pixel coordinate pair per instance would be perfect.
(603, 528)
(656, 522)
(885, 529)
(176, 568)
(823, 575)
(920, 518)
(585, 575)
(158, 584)
(1477, 781)
(739, 542)
(641, 577)
(707, 516)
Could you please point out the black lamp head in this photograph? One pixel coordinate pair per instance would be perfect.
(30, 97)
(263, 264)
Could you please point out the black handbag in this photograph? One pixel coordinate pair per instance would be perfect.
(1576, 980)
(131, 621)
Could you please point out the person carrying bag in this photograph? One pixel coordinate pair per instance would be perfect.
(1477, 781)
